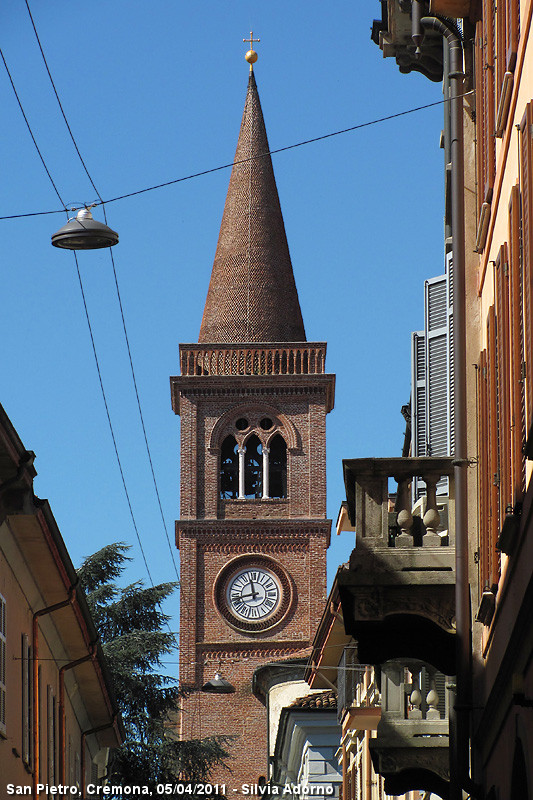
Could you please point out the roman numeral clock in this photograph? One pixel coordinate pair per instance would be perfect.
(253, 593)
(253, 396)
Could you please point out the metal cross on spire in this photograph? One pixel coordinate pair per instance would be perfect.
(251, 55)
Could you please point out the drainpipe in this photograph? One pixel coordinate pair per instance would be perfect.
(35, 693)
(84, 736)
(62, 726)
(461, 752)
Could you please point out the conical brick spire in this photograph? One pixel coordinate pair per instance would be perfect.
(252, 295)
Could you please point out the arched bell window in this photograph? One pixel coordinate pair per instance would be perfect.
(253, 469)
(277, 467)
(229, 469)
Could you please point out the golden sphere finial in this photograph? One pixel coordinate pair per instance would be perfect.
(251, 56)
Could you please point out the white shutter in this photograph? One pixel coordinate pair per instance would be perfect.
(2, 665)
(418, 404)
(418, 397)
(438, 376)
(437, 363)
(449, 276)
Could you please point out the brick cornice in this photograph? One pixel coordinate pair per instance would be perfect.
(254, 528)
(248, 536)
(252, 386)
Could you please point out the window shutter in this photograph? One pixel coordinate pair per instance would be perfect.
(2, 665)
(451, 365)
(513, 26)
(516, 347)
(480, 127)
(485, 110)
(526, 185)
(493, 456)
(483, 457)
(418, 404)
(489, 98)
(418, 401)
(26, 701)
(437, 366)
(501, 43)
(51, 733)
(501, 281)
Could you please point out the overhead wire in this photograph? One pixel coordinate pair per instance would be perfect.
(244, 160)
(141, 415)
(56, 190)
(109, 419)
(87, 317)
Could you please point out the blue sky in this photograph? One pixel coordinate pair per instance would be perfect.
(155, 91)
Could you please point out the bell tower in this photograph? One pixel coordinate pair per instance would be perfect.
(253, 397)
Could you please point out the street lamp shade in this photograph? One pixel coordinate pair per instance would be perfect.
(84, 233)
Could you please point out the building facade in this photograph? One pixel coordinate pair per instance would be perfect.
(253, 397)
(489, 219)
(58, 717)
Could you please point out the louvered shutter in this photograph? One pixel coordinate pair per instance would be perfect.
(484, 469)
(526, 185)
(501, 280)
(513, 24)
(418, 404)
(516, 346)
(451, 365)
(26, 701)
(437, 362)
(437, 371)
(494, 454)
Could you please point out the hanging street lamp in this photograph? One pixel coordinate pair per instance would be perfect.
(84, 233)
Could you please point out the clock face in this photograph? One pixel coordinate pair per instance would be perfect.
(253, 593)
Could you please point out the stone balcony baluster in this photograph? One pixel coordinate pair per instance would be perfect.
(433, 699)
(431, 517)
(397, 593)
(415, 711)
(411, 746)
(405, 517)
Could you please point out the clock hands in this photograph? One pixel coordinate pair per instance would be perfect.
(253, 594)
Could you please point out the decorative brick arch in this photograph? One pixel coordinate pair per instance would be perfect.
(254, 412)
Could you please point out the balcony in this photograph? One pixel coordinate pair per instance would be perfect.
(393, 35)
(397, 594)
(411, 748)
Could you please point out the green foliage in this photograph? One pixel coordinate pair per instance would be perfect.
(130, 623)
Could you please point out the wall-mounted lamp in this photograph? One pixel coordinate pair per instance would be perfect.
(218, 685)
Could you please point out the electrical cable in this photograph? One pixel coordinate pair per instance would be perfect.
(116, 286)
(109, 419)
(244, 160)
(31, 133)
(88, 320)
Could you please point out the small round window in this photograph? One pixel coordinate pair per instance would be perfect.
(266, 423)
(241, 424)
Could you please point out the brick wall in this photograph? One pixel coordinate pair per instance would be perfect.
(293, 532)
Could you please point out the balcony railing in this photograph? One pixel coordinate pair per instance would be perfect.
(382, 519)
(307, 358)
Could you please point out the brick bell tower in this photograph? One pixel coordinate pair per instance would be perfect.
(253, 397)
